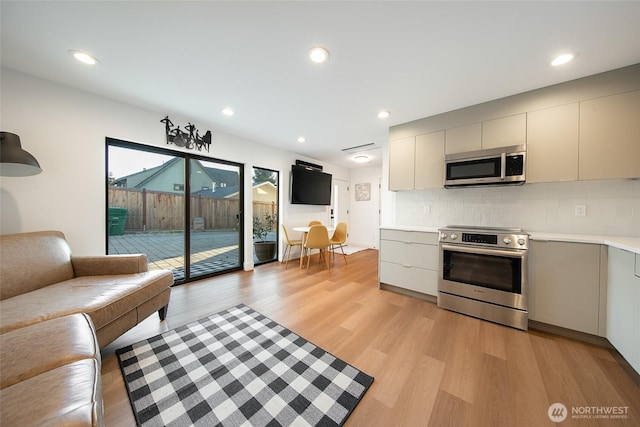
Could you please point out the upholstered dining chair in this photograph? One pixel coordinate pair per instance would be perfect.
(339, 238)
(318, 238)
(290, 244)
(304, 237)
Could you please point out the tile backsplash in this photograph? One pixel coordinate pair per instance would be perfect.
(612, 207)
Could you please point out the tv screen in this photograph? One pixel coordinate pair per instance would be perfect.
(310, 186)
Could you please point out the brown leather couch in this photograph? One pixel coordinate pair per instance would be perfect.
(50, 374)
(56, 312)
(40, 280)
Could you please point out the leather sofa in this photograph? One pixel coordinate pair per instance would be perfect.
(56, 312)
(51, 374)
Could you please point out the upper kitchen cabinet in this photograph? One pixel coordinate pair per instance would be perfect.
(416, 162)
(502, 132)
(584, 129)
(429, 166)
(552, 144)
(402, 163)
(505, 131)
(610, 137)
(463, 138)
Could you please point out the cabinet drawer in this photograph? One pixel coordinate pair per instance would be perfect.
(409, 236)
(413, 278)
(409, 254)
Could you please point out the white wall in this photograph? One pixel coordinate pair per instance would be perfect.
(65, 130)
(613, 207)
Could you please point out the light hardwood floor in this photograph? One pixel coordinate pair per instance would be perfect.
(431, 366)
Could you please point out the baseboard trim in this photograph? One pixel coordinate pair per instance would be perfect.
(589, 339)
(408, 292)
(570, 333)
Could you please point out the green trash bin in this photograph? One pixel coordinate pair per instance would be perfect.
(117, 218)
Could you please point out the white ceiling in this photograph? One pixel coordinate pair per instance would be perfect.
(414, 59)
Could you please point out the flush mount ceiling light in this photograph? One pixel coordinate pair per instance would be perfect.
(227, 112)
(361, 159)
(302, 139)
(318, 54)
(383, 114)
(84, 57)
(563, 59)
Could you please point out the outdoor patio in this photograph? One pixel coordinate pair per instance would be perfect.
(211, 251)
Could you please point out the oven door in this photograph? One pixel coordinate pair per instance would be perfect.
(492, 275)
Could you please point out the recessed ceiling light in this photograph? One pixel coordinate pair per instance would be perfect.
(563, 59)
(227, 111)
(318, 54)
(84, 57)
(302, 139)
(383, 114)
(361, 159)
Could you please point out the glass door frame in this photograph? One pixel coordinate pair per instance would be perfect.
(186, 157)
(277, 174)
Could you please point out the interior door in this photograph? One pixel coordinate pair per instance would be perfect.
(340, 202)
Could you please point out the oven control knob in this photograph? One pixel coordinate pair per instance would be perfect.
(443, 235)
(454, 236)
(506, 240)
(521, 241)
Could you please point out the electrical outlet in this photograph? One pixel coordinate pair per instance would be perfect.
(426, 209)
(580, 210)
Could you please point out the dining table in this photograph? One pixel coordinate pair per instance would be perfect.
(304, 229)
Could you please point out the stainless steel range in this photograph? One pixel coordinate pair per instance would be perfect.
(483, 273)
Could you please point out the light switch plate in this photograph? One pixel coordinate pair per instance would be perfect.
(580, 210)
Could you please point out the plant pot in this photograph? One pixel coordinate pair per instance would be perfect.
(265, 251)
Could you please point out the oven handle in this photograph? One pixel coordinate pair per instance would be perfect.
(514, 253)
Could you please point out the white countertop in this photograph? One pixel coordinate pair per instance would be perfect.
(631, 244)
(410, 228)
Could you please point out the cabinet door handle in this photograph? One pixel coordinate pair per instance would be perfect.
(407, 265)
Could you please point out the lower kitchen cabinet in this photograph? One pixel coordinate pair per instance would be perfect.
(409, 260)
(564, 286)
(623, 309)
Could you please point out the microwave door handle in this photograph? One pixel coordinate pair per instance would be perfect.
(503, 166)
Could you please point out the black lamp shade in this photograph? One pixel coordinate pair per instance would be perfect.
(14, 161)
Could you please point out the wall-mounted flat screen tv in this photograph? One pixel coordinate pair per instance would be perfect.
(310, 186)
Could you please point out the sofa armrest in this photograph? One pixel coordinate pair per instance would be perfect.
(101, 265)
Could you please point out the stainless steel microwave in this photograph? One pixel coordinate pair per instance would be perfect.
(495, 166)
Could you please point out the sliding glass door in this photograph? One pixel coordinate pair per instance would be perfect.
(190, 226)
(214, 212)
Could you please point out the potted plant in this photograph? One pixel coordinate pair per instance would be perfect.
(265, 249)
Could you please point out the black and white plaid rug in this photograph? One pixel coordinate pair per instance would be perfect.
(238, 368)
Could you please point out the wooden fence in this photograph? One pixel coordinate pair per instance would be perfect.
(159, 211)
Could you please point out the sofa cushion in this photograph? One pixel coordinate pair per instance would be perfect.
(35, 349)
(70, 395)
(32, 261)
(104, 298)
